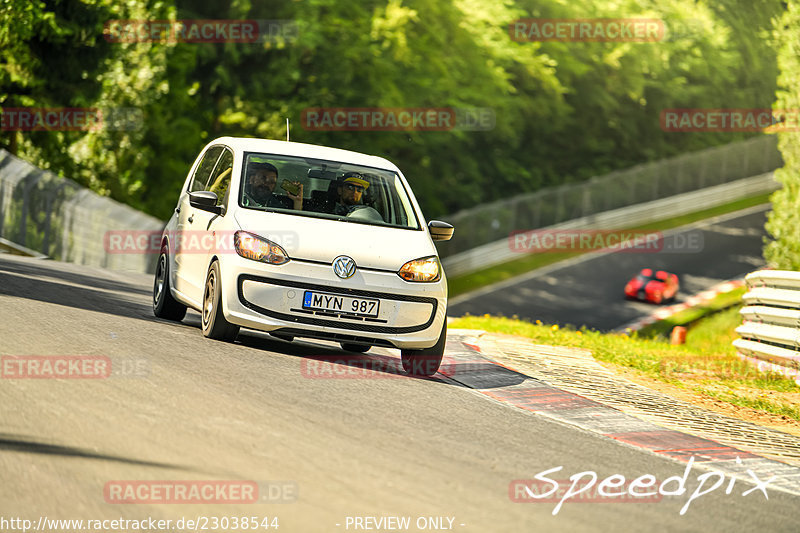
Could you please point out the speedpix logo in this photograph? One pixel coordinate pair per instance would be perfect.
(586, 487)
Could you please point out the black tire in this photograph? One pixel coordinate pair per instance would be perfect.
(214, 324)
(350, 347)
(164, 305)
(425, 362)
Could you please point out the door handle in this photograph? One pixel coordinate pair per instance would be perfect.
(191, 218)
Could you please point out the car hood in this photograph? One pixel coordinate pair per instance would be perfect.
(315, 239)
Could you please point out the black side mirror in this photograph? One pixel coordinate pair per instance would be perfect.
(207, 201)
(440, 231)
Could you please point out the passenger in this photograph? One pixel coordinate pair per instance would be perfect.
(259, 191)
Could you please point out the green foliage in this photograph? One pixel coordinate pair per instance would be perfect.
(564, 111)
(51, 53)
(784, 219)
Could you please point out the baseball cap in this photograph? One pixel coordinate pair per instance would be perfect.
(354, 177)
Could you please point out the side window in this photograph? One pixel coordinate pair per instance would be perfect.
(221, 179)
(204, 169)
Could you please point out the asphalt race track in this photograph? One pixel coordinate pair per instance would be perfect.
(588, 291)
(180, 407)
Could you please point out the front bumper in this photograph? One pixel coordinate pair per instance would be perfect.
(269, 298)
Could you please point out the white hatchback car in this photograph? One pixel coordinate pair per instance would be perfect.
(305, 241)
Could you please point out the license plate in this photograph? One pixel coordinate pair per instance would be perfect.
(337, 303)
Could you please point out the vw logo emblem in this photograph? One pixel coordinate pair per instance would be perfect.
(344, 266)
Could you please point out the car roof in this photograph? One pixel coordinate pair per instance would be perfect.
(250, 144)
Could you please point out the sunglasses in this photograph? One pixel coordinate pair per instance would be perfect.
(352, 187)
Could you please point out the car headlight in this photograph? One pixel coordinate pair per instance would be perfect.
(426, 269)
(256, 248)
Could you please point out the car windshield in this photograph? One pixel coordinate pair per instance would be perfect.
(330, 189)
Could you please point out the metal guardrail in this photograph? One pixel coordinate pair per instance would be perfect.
(501, 251)
(487, 223)
(770, 331)
(55, 217)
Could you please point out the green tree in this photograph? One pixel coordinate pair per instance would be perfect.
(784, 220)
(51, 52)
(564, 111)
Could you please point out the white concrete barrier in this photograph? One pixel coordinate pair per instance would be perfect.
(500, 251)
(58, 218)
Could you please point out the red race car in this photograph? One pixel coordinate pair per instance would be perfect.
(650, 286)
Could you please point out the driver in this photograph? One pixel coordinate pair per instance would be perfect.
(350, 191)
(259, 191)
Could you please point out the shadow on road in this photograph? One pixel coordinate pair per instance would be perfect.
(90, 299)
(50, 268)
(326, 362)
(15, 443)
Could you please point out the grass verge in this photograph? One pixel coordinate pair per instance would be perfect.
(687, 317)
(706, 365)
(481, 278)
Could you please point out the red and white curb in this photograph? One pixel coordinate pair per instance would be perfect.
(701, 298)
(464, 364)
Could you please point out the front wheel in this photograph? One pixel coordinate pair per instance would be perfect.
(214, 324)
(164, 305)
(425, 362)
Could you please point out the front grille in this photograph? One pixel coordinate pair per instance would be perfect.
(338, 324)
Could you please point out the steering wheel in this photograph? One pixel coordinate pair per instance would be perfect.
(365, 212)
